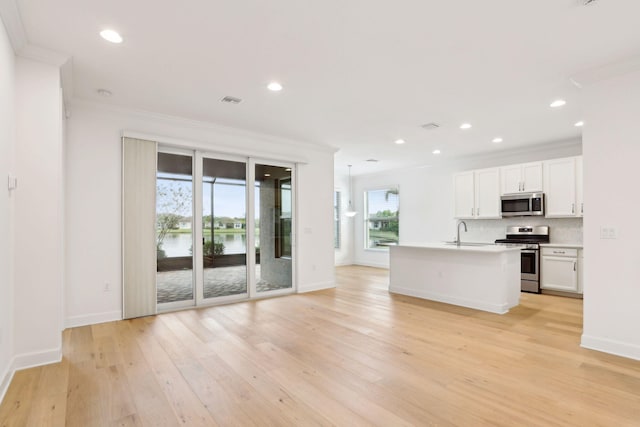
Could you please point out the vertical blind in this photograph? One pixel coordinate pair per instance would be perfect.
(138, 227)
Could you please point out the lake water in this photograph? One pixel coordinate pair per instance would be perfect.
(179, 244)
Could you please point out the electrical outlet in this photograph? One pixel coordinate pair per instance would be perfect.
(12, 182)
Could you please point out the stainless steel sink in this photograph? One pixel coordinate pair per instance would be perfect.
(468, 244)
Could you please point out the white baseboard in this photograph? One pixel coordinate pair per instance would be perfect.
(38, 358)
(316, 287)
(92, 319)
(606, 345)
(372, 264)
(492, 308)
(6, 378)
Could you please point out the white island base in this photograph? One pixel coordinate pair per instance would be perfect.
(481, 277)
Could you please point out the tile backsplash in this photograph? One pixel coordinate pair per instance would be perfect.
(561, 230)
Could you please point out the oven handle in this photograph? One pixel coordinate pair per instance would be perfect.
(529, 251)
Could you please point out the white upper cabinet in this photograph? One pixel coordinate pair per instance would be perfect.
(579, 188)
(521, 178)
(561, 187)
(463, 184)
(487, 183)
(477, 194)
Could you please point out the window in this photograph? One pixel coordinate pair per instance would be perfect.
(283, 219)
(381, 225)
(337, 210)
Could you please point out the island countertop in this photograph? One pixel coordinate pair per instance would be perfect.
(464, 246)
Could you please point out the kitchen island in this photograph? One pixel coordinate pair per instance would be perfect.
(483, 277)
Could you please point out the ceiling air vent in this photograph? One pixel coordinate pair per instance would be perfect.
(231, 100)
(372, 160)
(430, 126)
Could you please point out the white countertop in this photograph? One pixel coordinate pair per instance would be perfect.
(561, 245)
(488, 248)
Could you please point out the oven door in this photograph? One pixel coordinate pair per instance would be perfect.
(530, 265)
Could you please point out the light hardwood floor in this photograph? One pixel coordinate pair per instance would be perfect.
(355, 355)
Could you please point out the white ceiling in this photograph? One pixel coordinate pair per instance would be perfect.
(357, 74)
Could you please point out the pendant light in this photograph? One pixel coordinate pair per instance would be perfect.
(350, 212)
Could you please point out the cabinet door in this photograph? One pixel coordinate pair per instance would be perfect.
(511, 179)
(579, 188)
(464, 195)
(487, 199)
(559, 273)
(532, 177)
(560, 187)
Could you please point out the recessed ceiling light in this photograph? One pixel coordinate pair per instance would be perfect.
(104, 92)
(497, 140)
(436, 151)
(288, 169)
(579, 124)
(465, 126)
(274, 86)
(399, 141)
(558, 103)
(267, 174)
(111, 36)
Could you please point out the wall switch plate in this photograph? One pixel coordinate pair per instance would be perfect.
(608, 233)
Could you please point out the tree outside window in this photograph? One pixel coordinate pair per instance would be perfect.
(382, 218)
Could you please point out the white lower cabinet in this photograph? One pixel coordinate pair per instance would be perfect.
(559, 269)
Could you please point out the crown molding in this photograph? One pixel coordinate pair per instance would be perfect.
(48, 56)
(13, 24)
(605, 72)
(200, 125)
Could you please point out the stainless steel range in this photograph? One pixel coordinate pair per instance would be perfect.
(529, 238)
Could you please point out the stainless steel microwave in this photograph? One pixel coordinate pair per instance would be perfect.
(523, 204)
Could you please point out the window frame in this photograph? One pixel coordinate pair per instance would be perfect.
(366, 191)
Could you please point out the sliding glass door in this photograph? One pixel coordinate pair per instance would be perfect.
(206, 219)
(174, 230)
(224, 228)
(273, 228)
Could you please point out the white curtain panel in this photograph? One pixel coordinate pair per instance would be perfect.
(139, 161)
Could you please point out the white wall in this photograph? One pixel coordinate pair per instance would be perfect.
(93, 204)
(426, 198)
(7, 146)
(611, 153)
(39, 249)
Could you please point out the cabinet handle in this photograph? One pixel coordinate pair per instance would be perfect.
(581, 208)
(471, 211)
(574, 266)
(573, 208)
(558, 252)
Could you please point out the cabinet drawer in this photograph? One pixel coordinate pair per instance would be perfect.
(570, 252)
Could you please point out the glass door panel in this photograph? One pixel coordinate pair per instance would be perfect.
(224, 231)
(273, 227)
(174, 229)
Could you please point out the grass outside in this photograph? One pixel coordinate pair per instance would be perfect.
(383, 236)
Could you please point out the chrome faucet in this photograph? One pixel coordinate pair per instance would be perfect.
(465, 230)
